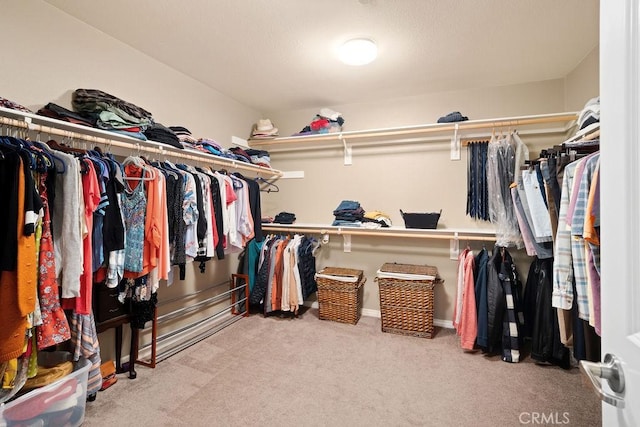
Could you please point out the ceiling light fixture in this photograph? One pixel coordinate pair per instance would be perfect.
(359, 51)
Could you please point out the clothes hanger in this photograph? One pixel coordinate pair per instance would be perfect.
(7, 145)
(64, 148)
(60, 165)
(269, 187)
(140, 163)
(21, 146)
(44, 161)
(164, 168)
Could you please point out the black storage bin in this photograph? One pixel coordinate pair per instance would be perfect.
(421, 220)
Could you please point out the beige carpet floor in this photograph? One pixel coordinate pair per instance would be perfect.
(305, 371)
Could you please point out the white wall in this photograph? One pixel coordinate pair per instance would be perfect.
(417, 178)
(414, 178)
(47, 54)
(583, 83)
(482, 103)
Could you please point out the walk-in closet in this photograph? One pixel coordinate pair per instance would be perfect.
(213, 215)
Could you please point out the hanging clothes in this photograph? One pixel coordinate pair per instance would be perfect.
(67, 227)
(84, 339)
(477, 192)
(482, 308)
(505, 317)
(18, 287)
(90, 198)
(540, 317)
(501, 166)
(254, 205)
(465, 315)
(133, 210)
(55, 326)
(285, 273)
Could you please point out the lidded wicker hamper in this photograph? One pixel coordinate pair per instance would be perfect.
(340, 292)
(406, 302)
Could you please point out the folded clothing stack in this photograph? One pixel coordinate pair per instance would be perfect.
(455, 116)
(376, 219)
(204, 145)
(210, 146)
(285, 218)
(108, 112)
(159, 133)
(55, 111)
(183, 134)
(240, 154)
(349, 213)
(326, 121)
(6, 103)
(259, 157)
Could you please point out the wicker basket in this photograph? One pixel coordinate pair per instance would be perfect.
(406, 306)
(340, 301)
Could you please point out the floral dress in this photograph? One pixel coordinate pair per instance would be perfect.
(55, 327)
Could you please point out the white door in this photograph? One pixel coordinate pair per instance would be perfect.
(620, 206)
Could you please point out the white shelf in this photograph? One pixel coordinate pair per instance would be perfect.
(413, 233)
(49, 126)
(543, 124)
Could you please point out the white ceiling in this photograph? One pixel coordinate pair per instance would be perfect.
(276, 55)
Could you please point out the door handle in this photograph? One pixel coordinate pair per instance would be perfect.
(610, 370)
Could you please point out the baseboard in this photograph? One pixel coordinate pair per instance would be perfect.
(448, 324)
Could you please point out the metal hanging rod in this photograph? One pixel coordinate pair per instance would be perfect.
(188, 343)
(195, 307)
(185, 296)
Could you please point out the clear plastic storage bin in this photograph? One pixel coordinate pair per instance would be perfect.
(61, 403)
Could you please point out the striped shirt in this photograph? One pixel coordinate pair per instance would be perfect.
(563, 262)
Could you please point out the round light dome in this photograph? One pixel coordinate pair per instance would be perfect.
(358, 51)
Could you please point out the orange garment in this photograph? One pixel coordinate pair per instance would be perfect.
(590, 232)
(164, 259)
(152, 228)
(91, 196)
(468, 327)
(276, 291)
(152, 233)
(18, 289)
